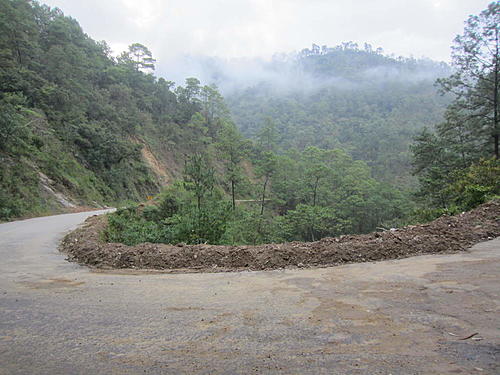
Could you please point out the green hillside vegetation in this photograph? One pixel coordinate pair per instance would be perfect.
(307, 192)
(457, 163)
(76, 121)
(330, 157)
(356, 99)
(79, 122)
(299, 196)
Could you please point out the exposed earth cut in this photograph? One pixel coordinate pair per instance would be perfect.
(444, 235)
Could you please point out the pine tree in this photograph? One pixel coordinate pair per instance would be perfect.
(476, 82)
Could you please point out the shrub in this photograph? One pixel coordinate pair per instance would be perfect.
(476, 184)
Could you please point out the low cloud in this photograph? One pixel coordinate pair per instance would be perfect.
(257, 29)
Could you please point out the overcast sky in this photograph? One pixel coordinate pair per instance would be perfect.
(237, 28)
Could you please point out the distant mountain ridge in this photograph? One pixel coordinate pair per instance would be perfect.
(356, 99)
(80, 127)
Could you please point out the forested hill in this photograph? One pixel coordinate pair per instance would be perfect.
(357, 99)
(78, 126)
(331, 130)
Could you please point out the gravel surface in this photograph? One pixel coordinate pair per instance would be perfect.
(402, 317)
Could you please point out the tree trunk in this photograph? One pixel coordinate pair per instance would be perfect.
(263, 196)
(315, 192)
(232, 193)
(312, 233)
(496, 129)
(198, 226)
(462, 147)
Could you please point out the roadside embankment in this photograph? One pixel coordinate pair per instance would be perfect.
(444, 235)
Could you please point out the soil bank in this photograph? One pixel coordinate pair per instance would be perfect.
(444, 235)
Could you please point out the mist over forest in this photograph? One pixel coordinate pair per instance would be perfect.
(296, 71)
(345, 96)
(325, 141)
(249, 186)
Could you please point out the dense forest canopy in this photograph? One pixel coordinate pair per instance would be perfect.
(348, 97)
(73, 119)
(318, 147)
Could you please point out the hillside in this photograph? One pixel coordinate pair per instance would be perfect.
(357, 99)
(79, 127)
(327, 150)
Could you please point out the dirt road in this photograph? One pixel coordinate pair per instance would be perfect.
(393, 317)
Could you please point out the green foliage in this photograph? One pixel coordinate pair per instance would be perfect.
(310, 223)
(199, 177)
(129, 227)
(13, 124)
(347, 200)
(476, 80)
(452, 163)
(70, 111)
(265, 168)
(207, 225)
(476, 184)
(18, 189)
(176, 218)
(359, 100)
(139, 56)
(232, 149)
(425, 215)
(75, 120)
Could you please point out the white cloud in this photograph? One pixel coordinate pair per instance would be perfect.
(236, 28)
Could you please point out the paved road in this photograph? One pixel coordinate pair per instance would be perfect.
(394, 317)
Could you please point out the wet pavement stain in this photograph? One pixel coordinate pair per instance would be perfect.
(55, 283)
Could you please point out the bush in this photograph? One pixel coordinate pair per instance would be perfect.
(207, 225)
(175, 218)
(425, 215)
(310, 223)
(129, 227)
(476, 184)
(247, 226)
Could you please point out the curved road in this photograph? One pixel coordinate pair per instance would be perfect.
(394, 317)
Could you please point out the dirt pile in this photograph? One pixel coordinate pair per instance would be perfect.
(444, 235)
